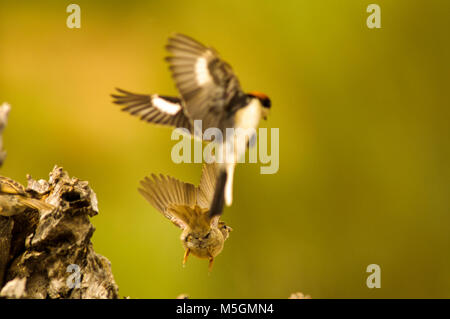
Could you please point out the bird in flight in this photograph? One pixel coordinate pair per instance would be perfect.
(187, 206)
(209, 92)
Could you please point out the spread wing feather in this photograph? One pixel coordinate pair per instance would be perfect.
(164, 192)
(157, 109)
(206, 83)
(172, 197)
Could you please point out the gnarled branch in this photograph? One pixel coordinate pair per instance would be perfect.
(49, 254)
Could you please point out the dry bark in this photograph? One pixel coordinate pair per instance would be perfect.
(40, 252)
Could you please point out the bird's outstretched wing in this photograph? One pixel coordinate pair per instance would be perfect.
(206, 83)
(165, 193)
(158, 109)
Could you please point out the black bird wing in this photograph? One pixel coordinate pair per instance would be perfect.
(158, 109)
(218, 200)
(206, 83)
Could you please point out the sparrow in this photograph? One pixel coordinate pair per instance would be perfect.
(14, 200)
(187, 206)
(209, 92)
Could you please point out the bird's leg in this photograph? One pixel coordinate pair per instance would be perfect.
(211, 261)
(186, 255)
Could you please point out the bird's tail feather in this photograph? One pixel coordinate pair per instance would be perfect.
(229, 184)
(219, 198)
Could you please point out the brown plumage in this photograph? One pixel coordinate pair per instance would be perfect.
(187, 206)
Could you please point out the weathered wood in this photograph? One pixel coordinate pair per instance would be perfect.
(6, 227)
(49, 251)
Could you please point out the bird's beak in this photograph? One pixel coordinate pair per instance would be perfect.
(265, 113)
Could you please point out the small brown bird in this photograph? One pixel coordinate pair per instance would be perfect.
(14, 200)
(187, 207)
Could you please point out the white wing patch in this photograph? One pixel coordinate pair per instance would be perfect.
(201, 71)
(164, 105)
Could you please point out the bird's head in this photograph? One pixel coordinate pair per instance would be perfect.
(264, 100)
(203, 244)
(226, 230)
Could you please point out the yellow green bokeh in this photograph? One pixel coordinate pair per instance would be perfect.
(364, 139)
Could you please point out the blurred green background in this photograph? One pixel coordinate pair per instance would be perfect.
(364, 139)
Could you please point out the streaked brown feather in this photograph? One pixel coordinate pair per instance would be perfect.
(170, 195)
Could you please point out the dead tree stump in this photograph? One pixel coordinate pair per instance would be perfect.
(50, 254)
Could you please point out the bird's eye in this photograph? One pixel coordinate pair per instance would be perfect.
(266, 103)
